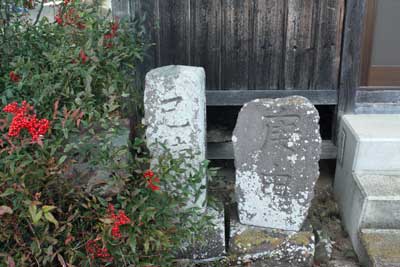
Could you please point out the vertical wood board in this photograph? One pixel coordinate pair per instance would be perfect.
(248, 44)
(206, 16)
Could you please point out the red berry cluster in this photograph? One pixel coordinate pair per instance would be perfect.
(70, 17)
(151, 179)
(84, 58)
(112, 34)
(118, 220)
(95, 250)
(23, 120)
(14, 77)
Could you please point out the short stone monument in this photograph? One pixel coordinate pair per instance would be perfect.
(175, 110)
(276, 146)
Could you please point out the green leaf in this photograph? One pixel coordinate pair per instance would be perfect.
(49, 217)
(32, 210)
(62, 159)
(37, 217)
(132, 243)
(46, 208)
(146, 246)
(88, 84)
(61, 260)
(9, 191)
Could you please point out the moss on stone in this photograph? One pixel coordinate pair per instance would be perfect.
(301, 238)
(256, 238)
(381, 246)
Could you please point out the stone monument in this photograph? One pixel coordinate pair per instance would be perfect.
(277, 146)
(175, 116)
(175, 110)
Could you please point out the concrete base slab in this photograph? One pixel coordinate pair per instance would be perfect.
(259, 246)
(213, 247)
(382, 247)
(373, 201)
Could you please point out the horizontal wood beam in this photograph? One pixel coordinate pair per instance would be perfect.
(240, 97)
(225, 150)
(378, 95)
(378, 100)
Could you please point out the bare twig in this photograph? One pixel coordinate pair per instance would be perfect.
(7, 11)
(39, 13)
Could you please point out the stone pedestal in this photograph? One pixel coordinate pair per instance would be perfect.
(213, 245)
(277, 146)
(270, 247)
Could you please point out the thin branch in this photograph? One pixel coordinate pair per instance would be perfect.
(7, 11)
(39, 13)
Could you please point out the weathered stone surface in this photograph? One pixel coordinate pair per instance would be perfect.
(213, 245)
(382, 247)
(270, 247)
(277, 146)
(174, 102)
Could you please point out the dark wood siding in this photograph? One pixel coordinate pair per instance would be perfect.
(247, 44)
(206, 17)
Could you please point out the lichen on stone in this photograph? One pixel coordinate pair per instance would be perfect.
(256, 238)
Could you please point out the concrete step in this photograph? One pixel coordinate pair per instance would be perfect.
(369, 142)
(370, 200)
(382, 247)
(367, 179)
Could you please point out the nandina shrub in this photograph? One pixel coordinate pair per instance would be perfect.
(84, 59)
(47, 220)
(65, 87)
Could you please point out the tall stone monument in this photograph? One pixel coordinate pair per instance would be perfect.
(277, 146)
(175, 115)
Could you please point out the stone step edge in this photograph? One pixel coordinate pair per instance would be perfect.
(370, 255)
(374, 172)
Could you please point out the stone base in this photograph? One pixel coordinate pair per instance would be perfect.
(270, 247)
(213, 247)
(382, 247)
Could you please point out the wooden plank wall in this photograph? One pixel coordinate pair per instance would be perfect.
(247, 44)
